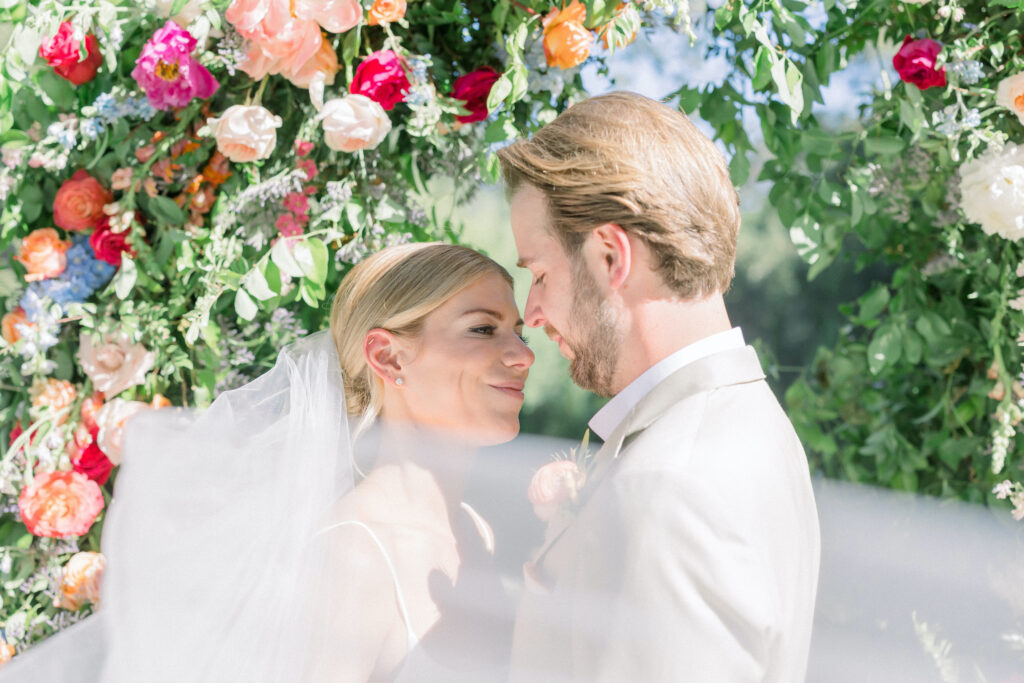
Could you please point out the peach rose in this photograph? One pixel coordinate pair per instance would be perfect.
(324, 61)
(79, 202)
(1010, 94)
(6, 651)
(385, 11)
(114, 363)
(111, 420)
(42, 254)
(354, 122)
(336, 16)
(554, 485)
(279, 41)
(10, 322)
(60, 504)
(245, 133)
(80, 580)
(54, 394)
(566, 41)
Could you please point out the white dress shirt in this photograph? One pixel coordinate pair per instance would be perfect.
(608, 418)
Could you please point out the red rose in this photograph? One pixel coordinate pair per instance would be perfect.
(93, 463)
(79, 202)
(915, 63)
(61, 52)
(381, 78)
(473, 89)
(109, 245)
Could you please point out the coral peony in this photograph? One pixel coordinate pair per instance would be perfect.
(10, 324)
(114, 363)
(245, 133)
(473, 89)
(60, 504)
(553, 485)
(108, 245)
(1010, 94)
(80, 580)
(167, 71)
(43, 254)
(57, 395)
(915, 63)
(567, 42)
(61, 51)
(354, 122)
(79, 202)
(382, 78)
(111, 420)
(385, 12)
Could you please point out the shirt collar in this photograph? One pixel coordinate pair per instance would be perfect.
(608, 418)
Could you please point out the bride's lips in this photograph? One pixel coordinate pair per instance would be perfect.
(513, 389)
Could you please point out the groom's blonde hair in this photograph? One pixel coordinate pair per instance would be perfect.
(625, 159)
(395, 289)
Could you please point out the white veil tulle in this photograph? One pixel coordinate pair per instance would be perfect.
(213, 566)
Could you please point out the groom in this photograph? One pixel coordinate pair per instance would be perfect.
(693, 553)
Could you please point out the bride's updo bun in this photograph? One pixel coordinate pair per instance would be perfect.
(396, 289)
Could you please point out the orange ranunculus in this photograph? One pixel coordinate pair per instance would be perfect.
(91, 406)
(80, 580)
(6, 651)
(385, 11)
(566, 40)
(217, 169)
(55, 394)
(42, 254)
(60, 504)
(79, 202)
(620, 13)
(10, 320)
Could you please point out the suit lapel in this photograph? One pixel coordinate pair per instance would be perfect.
(735, 366)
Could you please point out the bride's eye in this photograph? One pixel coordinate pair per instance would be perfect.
(522, 338)
(487, 330)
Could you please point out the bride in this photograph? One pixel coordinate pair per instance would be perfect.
(309, 526)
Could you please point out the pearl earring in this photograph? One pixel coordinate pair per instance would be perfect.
(399, 381)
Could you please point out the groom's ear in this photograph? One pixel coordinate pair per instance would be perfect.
(614, 253)
(381, 350)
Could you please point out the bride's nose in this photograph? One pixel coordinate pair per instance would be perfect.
(517, 354)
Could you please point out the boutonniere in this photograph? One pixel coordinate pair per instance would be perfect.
(555, 487)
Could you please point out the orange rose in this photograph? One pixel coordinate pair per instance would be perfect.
(80, 580)
(566, 41)
(16, 317)
(385, 11)
(60, 504)
(553, 485)
(6, 651)
(42, 254)
(54, 394)
(79, 202)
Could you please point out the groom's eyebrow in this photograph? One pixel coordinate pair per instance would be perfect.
(524, 262)
(493, 314)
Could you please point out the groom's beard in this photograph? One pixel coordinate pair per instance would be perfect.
(595, 337)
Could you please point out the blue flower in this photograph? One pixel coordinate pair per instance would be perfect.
(107, 107)
(92, 128)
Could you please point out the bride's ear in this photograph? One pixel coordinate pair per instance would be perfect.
(381, 350)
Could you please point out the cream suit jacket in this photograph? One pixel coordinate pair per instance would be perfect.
(694, 554)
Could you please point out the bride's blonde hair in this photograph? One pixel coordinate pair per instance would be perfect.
(395, 289)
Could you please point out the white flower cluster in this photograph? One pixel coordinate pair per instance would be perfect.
(1002, 435)
(1015, 492)
(992, 191)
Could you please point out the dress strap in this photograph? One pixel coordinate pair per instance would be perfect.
(413, 640)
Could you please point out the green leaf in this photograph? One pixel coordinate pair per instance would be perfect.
(282, 257)
(884, 145)
(166, 210)
(885, 348)
(244, 305)
(763, 68)
(873, 303)
(177, 7)
(501, 89)
(501, 129)
(350, 46)
(126, 276)
(739, 168)
(31, 201)
(57, 89)
(690, 99)
(256, 284)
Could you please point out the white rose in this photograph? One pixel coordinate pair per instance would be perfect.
(245, 133)
(1010, 94)
(111, 419)
(992, 191)
(114, 363)
(354, 122)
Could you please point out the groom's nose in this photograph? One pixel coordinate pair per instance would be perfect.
(533, 316)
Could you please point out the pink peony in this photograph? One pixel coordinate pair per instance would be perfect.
(60, 504)
(915, 63)
(382, 78)
(473, 89)
(167, 71)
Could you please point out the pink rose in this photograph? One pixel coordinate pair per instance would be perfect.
(915, 63)
(553, 485)
(60, 504)
(108, 245)
(79, 202)
(80, 580)
(354, 122)
(111, 420)
(473, 89)
(61, 52)
(245, 133)
(114, 363)
(382, 78)
(167, 71)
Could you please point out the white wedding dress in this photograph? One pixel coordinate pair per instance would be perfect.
(215, 556)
